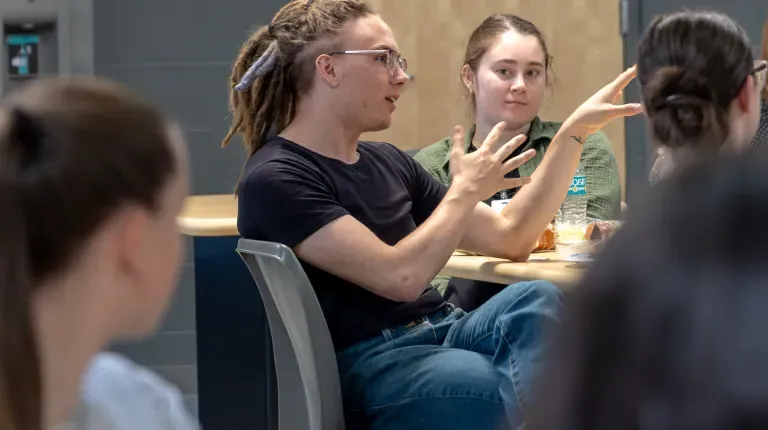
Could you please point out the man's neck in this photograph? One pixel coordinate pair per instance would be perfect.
(324, 134)
(482, 131)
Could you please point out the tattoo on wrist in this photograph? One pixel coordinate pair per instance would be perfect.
(578, 139)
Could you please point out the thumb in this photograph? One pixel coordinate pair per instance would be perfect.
(457, 149)
(628, 109)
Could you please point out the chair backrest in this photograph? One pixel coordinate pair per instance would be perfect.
(308, 389)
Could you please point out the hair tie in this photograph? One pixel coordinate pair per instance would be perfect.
(271, 29)
(309, 3)
(27, 135)
(260, 67)
(673, 98)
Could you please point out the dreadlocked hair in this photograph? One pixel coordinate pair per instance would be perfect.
(300, 31)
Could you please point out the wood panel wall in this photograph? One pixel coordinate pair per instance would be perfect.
(583, 36)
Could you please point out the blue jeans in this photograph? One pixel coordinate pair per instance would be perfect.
(451, 369)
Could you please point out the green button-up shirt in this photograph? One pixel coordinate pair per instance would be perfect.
(603, 183)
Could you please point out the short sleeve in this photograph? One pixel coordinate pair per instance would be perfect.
(285, 203)
(426, 191)
(118, 394)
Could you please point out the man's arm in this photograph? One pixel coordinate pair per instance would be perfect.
(348, 249)
(339, 244)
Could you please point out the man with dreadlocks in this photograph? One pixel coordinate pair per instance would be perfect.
(372, 228)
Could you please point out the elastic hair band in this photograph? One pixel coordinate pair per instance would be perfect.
(260, 67)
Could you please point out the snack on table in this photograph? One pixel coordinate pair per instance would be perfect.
(599, 230)
(546, 241)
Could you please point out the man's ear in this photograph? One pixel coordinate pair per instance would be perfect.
(325, 64)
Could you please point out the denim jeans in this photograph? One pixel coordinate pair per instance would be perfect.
(451, 369)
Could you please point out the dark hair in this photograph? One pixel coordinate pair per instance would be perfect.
(72, 151)
(666, 331)
(488, 32)
(764, 53)
(691, 65)
(268, 104)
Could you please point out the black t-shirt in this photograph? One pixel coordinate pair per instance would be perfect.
(289, 192)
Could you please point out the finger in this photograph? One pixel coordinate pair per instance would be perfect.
(515, 162)
(619, 96)
(508, 148)
(508, 183)
(628, 109)
(458, 141)
(493, 136)
(623, 79)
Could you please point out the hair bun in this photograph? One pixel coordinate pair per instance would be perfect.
(677, 87)
(684, 108)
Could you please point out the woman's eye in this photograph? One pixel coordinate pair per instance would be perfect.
(505, 72)
(382, 58)
(534, 73)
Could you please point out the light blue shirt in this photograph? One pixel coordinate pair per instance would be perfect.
(118, 394)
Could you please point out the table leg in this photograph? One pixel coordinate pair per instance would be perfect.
(236, 377)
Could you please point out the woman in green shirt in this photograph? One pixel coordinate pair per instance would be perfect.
(506, 72)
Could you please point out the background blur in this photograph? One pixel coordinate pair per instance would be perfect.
(178, 54)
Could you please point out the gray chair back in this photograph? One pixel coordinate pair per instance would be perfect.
(308, 389)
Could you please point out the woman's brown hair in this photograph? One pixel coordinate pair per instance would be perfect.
(264, 103)
(691, 65)
(488, 32)
(72, 152)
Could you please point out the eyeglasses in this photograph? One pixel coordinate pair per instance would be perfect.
(387, 56)
(761, 72)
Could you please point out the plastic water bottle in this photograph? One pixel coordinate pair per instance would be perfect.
(574, 208)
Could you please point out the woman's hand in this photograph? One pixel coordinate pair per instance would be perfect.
(601, 108)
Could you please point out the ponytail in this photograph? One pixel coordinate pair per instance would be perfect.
(260, 98)
(20, 380)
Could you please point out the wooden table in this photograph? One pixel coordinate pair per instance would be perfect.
(209, 215)
(216, 215)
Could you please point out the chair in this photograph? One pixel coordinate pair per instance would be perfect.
(308, 389)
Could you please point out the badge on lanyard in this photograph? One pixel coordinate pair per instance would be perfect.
(499, 204)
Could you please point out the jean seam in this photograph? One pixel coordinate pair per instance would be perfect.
(409, 399)
(472, 348)
(513, 365)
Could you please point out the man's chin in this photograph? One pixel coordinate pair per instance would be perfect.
(381, 126)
